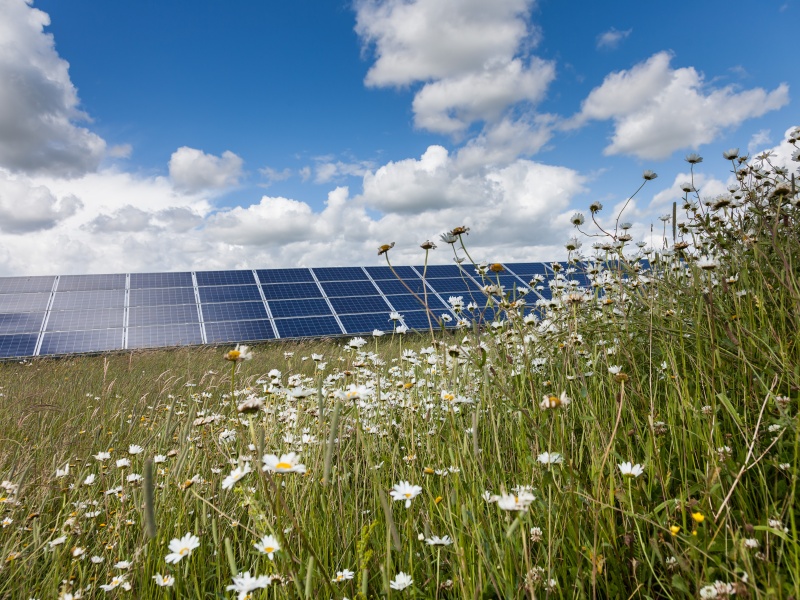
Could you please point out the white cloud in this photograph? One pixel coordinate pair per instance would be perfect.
(451, 104)
(657, 110)
(26, 207)
(38, 102)
(611, 38)
(120, 151)
(193, 170)
(273, 175)
(758, 141)
(327, 170)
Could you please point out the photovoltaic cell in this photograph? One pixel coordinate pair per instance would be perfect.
(238, 331)
(224, 277)
(444, 270)
(234, 311)
(20, 303)
(229, 293)
(160, 336)
(162, 315)
(403, 302)
(340, 274)
(161, 296)
(160, 280)
(23, 285)
(526, 270)
(386, 272)
(454, 286)
(73, 320)
(359, 304)
(89, 300)
(366, 323)
(389, 286)
(84, 283)
(348, 288)
(299, 308)
(17, 345)
(284, 275)
(418, 319)
(68, 342)
(307, 327)
(291, 290)
(21, 322)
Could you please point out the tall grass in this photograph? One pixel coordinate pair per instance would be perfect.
(682, 361)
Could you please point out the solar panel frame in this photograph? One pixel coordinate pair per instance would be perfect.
(89, 283)
(340, 274)
(213, 278)
(436, 271)
(348, 288)
(160, 280)
(161, 296)
(291, 290)
(273, 276)
(379, 273)
(228, 293)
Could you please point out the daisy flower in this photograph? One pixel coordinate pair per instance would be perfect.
(435, 540)
(401, 581)
(345, 575)
(237, 474)
(550, 458)
(287, 463)
(181, 547)
(405, 491)
(520, 502)
(630, 470)
(164, 580)
(245, 583)
(268, 545)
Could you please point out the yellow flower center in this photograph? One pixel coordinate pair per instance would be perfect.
(407, 495)
(269, 549)
(283, 465)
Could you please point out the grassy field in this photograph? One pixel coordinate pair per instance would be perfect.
(637, 439)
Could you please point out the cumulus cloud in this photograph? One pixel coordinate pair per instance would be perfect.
(327, 169)
(657, 110)
(193, 170)
(26, 207)
(39, 106)
(610, 39)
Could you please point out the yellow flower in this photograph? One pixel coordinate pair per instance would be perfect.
(698, 517)
(674, 530)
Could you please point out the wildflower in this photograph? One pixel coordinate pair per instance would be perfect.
(707, 264)
(401, 581)
(123, 462)
(116, 582)
(693, 158)
(237, 474)
(6, 521)
(287, 463)
(698, 517)
(751, 543)
(164, 580)
(384, 248)
(595, 207)
(89, 479)
(428, 245)
(630, 470)
(122, 564)
(649, 175)
(550, 458)
(674, 530)
(577, 219)
(268, 545)
(77, 551)
(101, 456)
(553, 401)
(448, 238)
(405, 491)
(395, 316)
(239, 354)
(377, 333)
(401, 329)
(134, 449)
(63, 472)
(133, 478)
(536, 534)
(96, 560)
(520, 502)
(181, 547)
(250, 405)
(460, 230)
(159, 458)
(345, 575)
(357, 342)
(58, 541)
(245, 583)
(731, 154)
(435, 540)
(573, 244)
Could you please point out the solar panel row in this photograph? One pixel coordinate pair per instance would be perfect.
(89, 313)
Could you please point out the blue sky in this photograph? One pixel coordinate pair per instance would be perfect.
(157, 136)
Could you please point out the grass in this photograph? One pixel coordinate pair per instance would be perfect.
(682, 362)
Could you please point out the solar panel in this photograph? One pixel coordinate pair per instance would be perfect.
(366, 323)
(392, 286)
(441, 271)
(22, 285)
(17, 345)
(72, 342)
(72, 320)
(233, 311)
(18, 303)
(238, 331)
(161, 296)
(224, 277)
(418, 319)
(299, 308)
(386, 272)
(307, 327)
(229, 293)
(291, 290)
(21, 322)
(340, 273)
(454, 285)
(160, 336)
(284, 275)
(348, 288)
(526, 269)
(403, 302)
(160, 280)
(80, 283)
(359, 304)
(163, 315)
(93, 300)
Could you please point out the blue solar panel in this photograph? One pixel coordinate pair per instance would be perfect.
(442, 271)
(359, 304)
(234, 311)
(19, 303)
(367, 323)
(348, 288)
(224, 277)
(307, 327)
(74, 320)
(340, 274)
(160, 336)
(389, 286)
(229, 293)
(418, 319)
(84, 283)
(17, 345)
(162, 315)
(526, 269)
(160, 280)
(21, 322)
(454, 286)
(22, 285)
(291, 290)
(386, 272)
(68, 342)
(89, 300)
(161, 296)
(238, 331)
(403, 302)
(284, 275)
(299, 308)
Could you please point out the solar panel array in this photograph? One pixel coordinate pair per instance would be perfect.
(53, 315)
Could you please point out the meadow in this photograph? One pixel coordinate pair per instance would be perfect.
(636, 437)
